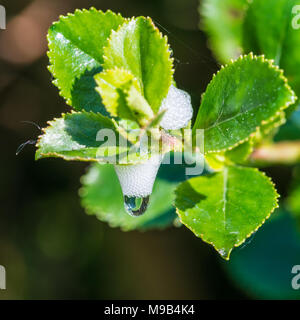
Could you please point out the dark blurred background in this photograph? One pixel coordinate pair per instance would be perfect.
(50, 248)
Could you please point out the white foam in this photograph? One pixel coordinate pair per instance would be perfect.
(137, 180)
(179, 109)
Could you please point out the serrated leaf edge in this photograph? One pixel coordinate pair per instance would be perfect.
(277, 196)
(49, 51)
(50, 124)
(161, 36)
(272, 65)
(77, 158)
(107, 72)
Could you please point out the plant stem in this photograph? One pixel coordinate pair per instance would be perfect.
(285, 152)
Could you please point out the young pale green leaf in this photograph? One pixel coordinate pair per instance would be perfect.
(139, 47)
(155, 121)
(74, 137)
(223, 22)
(225, 208)
(139, 105)
(270, 28)
(215, 161)
(101, 195)
(122, 96)
(76, 44)
(241, 97)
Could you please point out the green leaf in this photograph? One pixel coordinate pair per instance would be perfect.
(293, 198)
(76, 46)
(241, 97)
(122, 96)
(138, 105)
(74, 137)
(138, 47)
(272, 125)
(263, 27)
(78, 136)
(155, 121)
(293, 201)
(262, 269)
(241, 153)
(238, 155)
(269, 30)
(216, 161)
(267, 131)
(223, 22)
(101, 196)
(225, 208)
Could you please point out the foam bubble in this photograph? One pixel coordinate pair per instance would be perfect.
(137, 180)
(179, 109)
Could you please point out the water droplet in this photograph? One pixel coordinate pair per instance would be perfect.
(136, 206)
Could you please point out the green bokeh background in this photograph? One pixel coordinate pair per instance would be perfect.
(51, 249)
